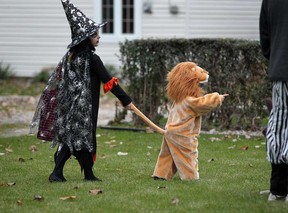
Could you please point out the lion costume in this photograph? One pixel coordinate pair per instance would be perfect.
(179, 150)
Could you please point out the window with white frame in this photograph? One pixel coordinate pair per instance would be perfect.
(123, 17)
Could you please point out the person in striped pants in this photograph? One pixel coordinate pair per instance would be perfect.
(274, 43)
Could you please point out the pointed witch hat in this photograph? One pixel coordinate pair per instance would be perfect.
(81, 26)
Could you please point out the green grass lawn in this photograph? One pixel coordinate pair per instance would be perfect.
(233, 171)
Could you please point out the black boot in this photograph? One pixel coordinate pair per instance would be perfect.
(86, 163)
(60, 158)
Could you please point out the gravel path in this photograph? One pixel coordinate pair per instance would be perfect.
(20, 110)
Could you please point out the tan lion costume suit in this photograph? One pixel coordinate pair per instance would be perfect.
(179, 147)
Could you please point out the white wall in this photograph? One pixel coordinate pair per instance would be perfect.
(34, 34)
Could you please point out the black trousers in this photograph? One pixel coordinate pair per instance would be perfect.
(279, 179)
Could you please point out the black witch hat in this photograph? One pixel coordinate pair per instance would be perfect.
(81, 26)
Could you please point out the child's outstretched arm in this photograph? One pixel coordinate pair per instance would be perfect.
(208, 102)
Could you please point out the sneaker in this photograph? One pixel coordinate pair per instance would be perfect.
(276, 197)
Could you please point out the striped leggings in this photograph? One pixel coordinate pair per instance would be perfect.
(277, 129)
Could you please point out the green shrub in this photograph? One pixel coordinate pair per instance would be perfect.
(236, 67)
(5, 71)
(43, 75)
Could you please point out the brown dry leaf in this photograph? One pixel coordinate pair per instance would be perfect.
(71, 197)
(33, 148)
(112, 145)
(3, 184)
(76, 187)
(95, 191)
(103, 156)
(175, 201)
(38, 197)
(244, 147)
(162, 187)
(19, 202)
(11, 184)
(21, 159)
(8, 150)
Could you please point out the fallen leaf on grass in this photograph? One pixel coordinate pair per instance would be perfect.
(244, 147)
(122, 153)
(38, 197)
(95, 191)
(210, 160)
(103, 156)
(1, 153)
(76, 187)
(33, 148)
(162, 187)
(148, 154)
(175, 201)
(11, 184)
(8, 150)
(250, 164)
(264, 192)
(21, 159)
(109, 142)
(19, 202)
(71, 197)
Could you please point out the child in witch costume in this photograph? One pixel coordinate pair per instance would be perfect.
(68, 108)
(179, 151)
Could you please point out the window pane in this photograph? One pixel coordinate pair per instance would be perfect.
(128, 16)
(107, 15)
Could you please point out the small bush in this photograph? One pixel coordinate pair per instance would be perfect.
(43, 75)
(5, 71)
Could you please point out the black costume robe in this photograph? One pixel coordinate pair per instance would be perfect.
(67, 111)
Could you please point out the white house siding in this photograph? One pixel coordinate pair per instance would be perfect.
(34, 34)
(225, 19)
(203, 19)
(162, 24)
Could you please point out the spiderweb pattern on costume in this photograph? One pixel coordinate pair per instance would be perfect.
(72, 122)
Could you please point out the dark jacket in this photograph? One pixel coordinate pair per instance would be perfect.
(274, 37)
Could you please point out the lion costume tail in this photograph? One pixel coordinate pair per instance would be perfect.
(147, 120)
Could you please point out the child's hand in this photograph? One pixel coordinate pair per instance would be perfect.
(223, 97)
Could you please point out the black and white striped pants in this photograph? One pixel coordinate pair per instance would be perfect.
(277, 129)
